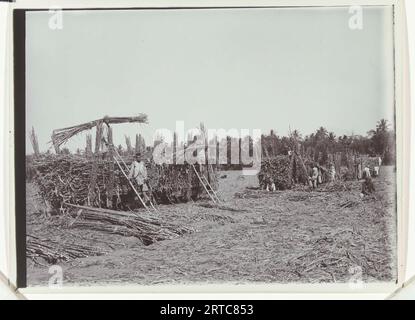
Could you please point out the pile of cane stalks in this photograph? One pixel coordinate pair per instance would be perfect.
(148, 228)
(38, 249)
(277, 170)
(67, 179)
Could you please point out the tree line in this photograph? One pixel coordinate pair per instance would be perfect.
(379, 141)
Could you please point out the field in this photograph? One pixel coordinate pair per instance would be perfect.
(331, 234)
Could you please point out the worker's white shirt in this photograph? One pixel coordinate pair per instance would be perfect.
(315, 172)
(332, 172)
(138, 171)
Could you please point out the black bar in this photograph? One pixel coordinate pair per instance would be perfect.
(19, 32)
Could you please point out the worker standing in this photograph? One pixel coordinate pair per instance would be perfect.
(366, 173)
(138, 172)
(314, 177)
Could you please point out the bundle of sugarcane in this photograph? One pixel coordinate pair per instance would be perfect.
(60, 136)
(277, 170)
(148, 229)
(173, 183)
(370, 162)
(66, 178)
(30, 170)
(53, 251)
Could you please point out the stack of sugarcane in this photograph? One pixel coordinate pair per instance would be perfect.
(370, 162)
(66, 178)
(53, 251)
(277, 170)
(30, 172)
(61, 136)
(148, 229)
(173, 183)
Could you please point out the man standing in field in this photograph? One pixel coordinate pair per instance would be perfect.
(366, 172)
(314, 177)
(138, 172)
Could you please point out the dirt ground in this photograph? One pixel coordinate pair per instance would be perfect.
(327, 235)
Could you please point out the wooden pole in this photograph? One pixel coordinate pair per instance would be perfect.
(137, 144)
(98, 137)
(174, 147)
(88, 147)
(94, 170)
(203, 184)
(111, 175)
(55, 145)
(142, 143)
(128, 144)
(302, 164)
(34, 141)
(204, 133)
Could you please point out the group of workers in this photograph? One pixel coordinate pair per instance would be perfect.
(367, 185)
(316, 176)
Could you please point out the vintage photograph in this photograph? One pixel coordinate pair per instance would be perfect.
(210, 146)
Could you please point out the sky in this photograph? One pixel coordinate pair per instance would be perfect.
(281, 69)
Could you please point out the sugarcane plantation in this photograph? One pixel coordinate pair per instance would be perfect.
(308, 210)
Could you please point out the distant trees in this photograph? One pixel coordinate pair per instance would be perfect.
(317, 145)
(383, 141)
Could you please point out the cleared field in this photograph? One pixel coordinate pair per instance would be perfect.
(327, 235)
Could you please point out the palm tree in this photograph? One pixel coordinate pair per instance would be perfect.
(382, 125)
(332, 141)
(321, 133)
(296, 135)
(380, 137)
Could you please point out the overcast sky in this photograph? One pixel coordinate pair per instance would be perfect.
(297, 68)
